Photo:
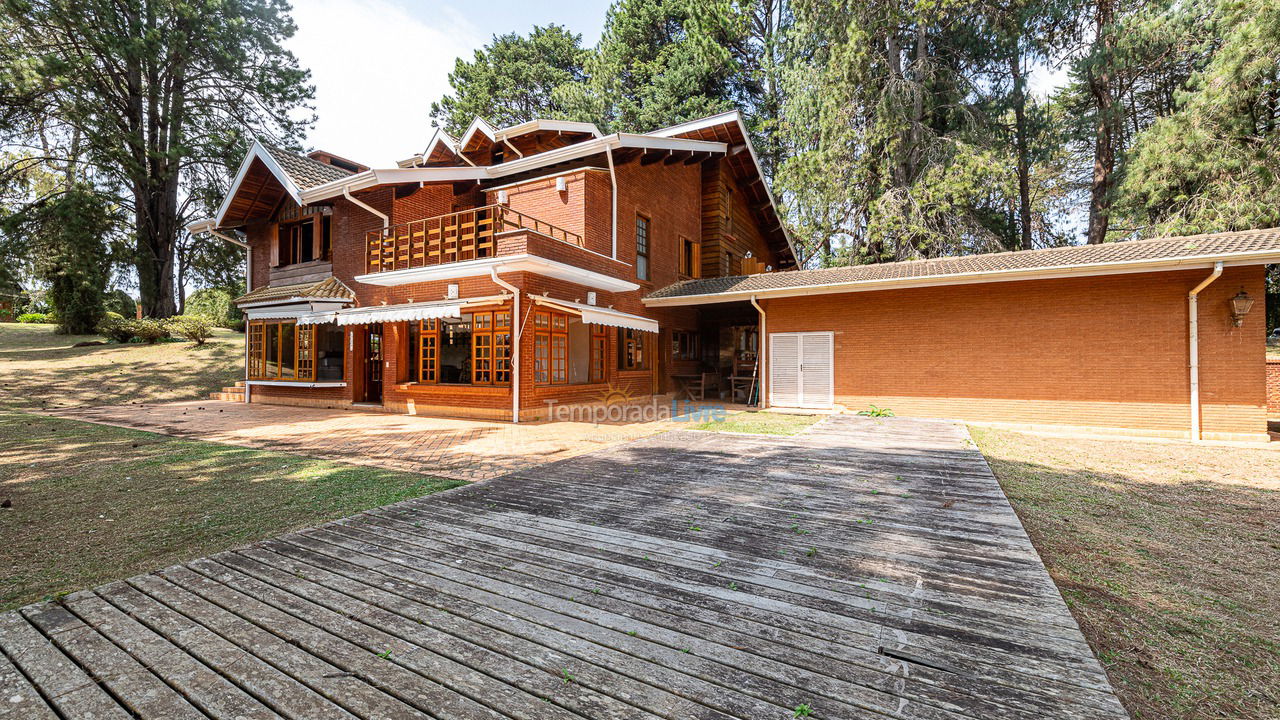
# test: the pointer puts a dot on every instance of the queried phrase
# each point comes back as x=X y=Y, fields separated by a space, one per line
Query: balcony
x=456 y=237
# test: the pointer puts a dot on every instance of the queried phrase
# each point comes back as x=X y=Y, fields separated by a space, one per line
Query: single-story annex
x=547 y=265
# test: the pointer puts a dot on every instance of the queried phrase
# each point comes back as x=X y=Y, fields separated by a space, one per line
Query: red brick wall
x=1273 y=387
x=1108 y=351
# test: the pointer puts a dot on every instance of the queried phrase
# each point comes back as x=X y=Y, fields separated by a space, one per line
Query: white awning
x=412 y=311
x=319 y=318
x=313 y=313
x=601 y=316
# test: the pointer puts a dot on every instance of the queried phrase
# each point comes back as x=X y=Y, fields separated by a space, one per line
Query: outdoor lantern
x=1240 y=306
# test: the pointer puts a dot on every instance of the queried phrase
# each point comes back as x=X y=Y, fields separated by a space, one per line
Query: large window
x=632 y=351
x=282 y=350
x=685 y=345
x=642 y=247
x=474 y=349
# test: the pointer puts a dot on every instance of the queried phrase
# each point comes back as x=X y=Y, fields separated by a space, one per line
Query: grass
x=40 y=369
x=1169 y=558
x=93 y=503
x=761 y=423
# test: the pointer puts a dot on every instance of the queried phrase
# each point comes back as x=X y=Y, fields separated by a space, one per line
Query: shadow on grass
x=97 y=503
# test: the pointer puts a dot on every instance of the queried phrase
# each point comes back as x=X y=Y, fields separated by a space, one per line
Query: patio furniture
x=694 y=386
x=744 y=381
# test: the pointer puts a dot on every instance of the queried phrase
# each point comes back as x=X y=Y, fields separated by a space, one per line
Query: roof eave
x=1263 y=257
x=257 y=150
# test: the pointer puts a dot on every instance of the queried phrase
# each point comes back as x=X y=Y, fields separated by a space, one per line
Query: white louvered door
x=784 y=370
x=801 y=370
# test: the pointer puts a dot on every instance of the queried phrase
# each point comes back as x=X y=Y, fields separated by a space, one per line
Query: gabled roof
x=264 y=164
x=1250 y=247
x=331 y=288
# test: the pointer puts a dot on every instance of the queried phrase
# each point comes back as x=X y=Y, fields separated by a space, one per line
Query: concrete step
x=229 y=397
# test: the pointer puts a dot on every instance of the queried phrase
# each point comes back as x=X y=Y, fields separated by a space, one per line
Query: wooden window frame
x=686 y=345
x=690 y=258
x=598 y=364
x=644 y=247
x=303 y=347
x=289 y=240
x=490 y=349
x=550 y=348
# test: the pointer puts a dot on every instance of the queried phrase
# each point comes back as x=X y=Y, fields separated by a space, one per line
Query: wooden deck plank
x=67 y=688
x=868 y=568
x=135 y=687
x=19 y=699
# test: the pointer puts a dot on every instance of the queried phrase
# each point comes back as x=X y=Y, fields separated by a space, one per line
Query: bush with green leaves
x=35 y=318
x=148 y=330
x=115 y=326
x=195 y=328
x=216 y=305
x=121 y=303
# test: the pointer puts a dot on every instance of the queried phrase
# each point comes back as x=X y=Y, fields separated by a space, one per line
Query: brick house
x=513 y=270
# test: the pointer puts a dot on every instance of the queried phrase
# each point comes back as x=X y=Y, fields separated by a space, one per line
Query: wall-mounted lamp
x=1241 y=304
x=561 y=184
x=451 y=292
x=502 y=197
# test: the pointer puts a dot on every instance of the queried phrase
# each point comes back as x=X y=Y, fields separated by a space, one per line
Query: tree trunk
x=1106 y=132
x=1022 y=148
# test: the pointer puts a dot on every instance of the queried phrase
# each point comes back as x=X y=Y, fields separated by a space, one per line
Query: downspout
x=516 y=328
x=613 y=200
x=1193 y=308
x=386 y=221
x=761 y=361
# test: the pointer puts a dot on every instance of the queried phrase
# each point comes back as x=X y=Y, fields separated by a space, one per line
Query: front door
x=800 y=370
x=373 y=364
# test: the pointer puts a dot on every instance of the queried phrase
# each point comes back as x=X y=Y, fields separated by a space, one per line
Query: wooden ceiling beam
x=650 y=157
x=675 y=157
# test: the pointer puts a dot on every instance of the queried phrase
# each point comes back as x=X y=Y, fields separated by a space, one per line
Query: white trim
x=830 y=399
x=538 y=125
x=371 y=178
x=518 y=183
x=1264 y=257
x=292 y=383
x=260 y=152
x=294 y=299
x=598 y=315
x=413 y=311
x=293 y=310
x=477 y=125
x=507 y=263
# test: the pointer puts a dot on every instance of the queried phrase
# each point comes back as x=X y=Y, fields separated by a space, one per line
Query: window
x=685 y=345
x=550 y=347
x=642 y=247
x=690 y=258
x=305 y=240
x=599 y=351
x=632 y=353
x=282 y=350
x=474 y=349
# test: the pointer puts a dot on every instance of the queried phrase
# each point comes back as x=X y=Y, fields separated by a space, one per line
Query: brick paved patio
x=446 y=447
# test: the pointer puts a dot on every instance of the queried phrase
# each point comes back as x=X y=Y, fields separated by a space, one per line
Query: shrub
x=214 y=304
x=192 y=327
x=121 y=303
x=148 y=330
x=35 y=318
x=115 y=327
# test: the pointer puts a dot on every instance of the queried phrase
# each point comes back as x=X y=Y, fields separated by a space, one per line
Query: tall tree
x=1213 y=163
x=512 y=79
x=158 y=91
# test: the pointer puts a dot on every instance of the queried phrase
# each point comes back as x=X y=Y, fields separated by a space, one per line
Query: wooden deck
x=866 y=569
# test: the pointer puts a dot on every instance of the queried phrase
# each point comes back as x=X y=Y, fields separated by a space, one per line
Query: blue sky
x=378 y=64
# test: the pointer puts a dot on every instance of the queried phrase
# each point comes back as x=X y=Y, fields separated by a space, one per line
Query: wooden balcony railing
x=459 y=236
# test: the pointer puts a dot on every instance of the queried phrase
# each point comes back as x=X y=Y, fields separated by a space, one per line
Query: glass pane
x=272 y=339
x=287 y=366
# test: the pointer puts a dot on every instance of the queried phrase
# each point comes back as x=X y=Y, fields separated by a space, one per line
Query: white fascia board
x=1128 y=267
x=548 y=125
x=650 y=142
x=548 y=176
x=509 y=263
x=313 y=303
x=295 y=383
x=479 y=125
x=260 y=152
x=201 y=226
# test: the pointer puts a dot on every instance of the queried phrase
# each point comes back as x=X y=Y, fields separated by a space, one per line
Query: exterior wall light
x=1241 y=304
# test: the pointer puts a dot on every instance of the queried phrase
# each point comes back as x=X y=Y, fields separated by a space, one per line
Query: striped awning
x=413 y=311
x=596 y=315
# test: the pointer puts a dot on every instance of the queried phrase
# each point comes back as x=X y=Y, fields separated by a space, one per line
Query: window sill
x=296 y=383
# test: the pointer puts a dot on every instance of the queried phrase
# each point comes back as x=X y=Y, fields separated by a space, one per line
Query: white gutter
x=516 y=328
x=760 y=358
x=386 y=221
x=1193 y=321
x=613 y=202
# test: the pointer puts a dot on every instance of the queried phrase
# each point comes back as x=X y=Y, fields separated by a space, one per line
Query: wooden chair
x=743 y=381
x=697 y=389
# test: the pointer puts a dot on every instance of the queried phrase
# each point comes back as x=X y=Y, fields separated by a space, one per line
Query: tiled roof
x=305 y=172
x=330 y=287
x=1074 y=256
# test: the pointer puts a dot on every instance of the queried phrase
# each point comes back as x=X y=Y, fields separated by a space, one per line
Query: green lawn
x=1168 y=555
x=761 y=423
x=93 y=503
x=40 y=369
